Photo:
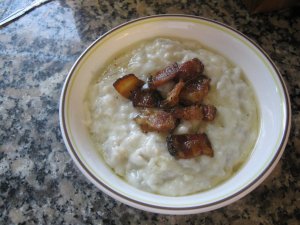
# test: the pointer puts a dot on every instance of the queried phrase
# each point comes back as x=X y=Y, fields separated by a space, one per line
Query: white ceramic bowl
x=273 y=101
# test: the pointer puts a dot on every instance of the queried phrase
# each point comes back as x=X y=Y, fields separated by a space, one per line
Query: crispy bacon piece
x=190 y=69
x=173 y=96
x=195 y=112
x=127 y=84
x=209 y=112
x=156 y=120
x=186 y=71
x=146 y=98
x=163 y=76
x=194 y=91
x=187 y=146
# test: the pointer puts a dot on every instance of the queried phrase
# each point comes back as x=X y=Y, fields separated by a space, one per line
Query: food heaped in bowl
x=107 y=142
x=142 y=157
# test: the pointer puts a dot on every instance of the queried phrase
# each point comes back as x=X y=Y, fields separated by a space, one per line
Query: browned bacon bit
x=156 y=120
x=193 y=112
x=194 y=91
x=146 y=98
x=127 y=84
x=163 y=76
x=209 y=112
x=187 y=146
x=190 y=69
x=173 y=96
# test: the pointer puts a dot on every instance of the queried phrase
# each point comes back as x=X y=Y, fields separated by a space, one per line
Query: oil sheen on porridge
x=142 y=159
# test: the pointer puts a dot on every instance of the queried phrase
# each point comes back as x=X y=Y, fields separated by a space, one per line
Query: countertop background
x=40 y=184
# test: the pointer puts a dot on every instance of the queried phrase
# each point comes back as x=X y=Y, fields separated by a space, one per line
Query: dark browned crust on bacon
x=156 y=120
x=193 y=112
x=186 y=71
x=127 y=84
x=189 y=146
x=194 y=91
x=190 y=69
x=147 y=98
x=163 y=76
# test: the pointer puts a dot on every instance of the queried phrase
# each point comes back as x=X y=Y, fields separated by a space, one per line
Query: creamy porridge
x=142 y=159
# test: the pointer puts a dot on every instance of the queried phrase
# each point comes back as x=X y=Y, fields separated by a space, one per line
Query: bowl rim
x=167 y=209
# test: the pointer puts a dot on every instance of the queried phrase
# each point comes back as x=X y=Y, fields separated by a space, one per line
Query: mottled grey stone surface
x=39 y=183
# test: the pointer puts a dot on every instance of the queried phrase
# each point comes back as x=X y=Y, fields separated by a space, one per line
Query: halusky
x=142 y=158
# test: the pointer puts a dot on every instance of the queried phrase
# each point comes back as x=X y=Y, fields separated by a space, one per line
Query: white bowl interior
x=257 y=68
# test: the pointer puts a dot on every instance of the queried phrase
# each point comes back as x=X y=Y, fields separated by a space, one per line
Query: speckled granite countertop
x=40 y=184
